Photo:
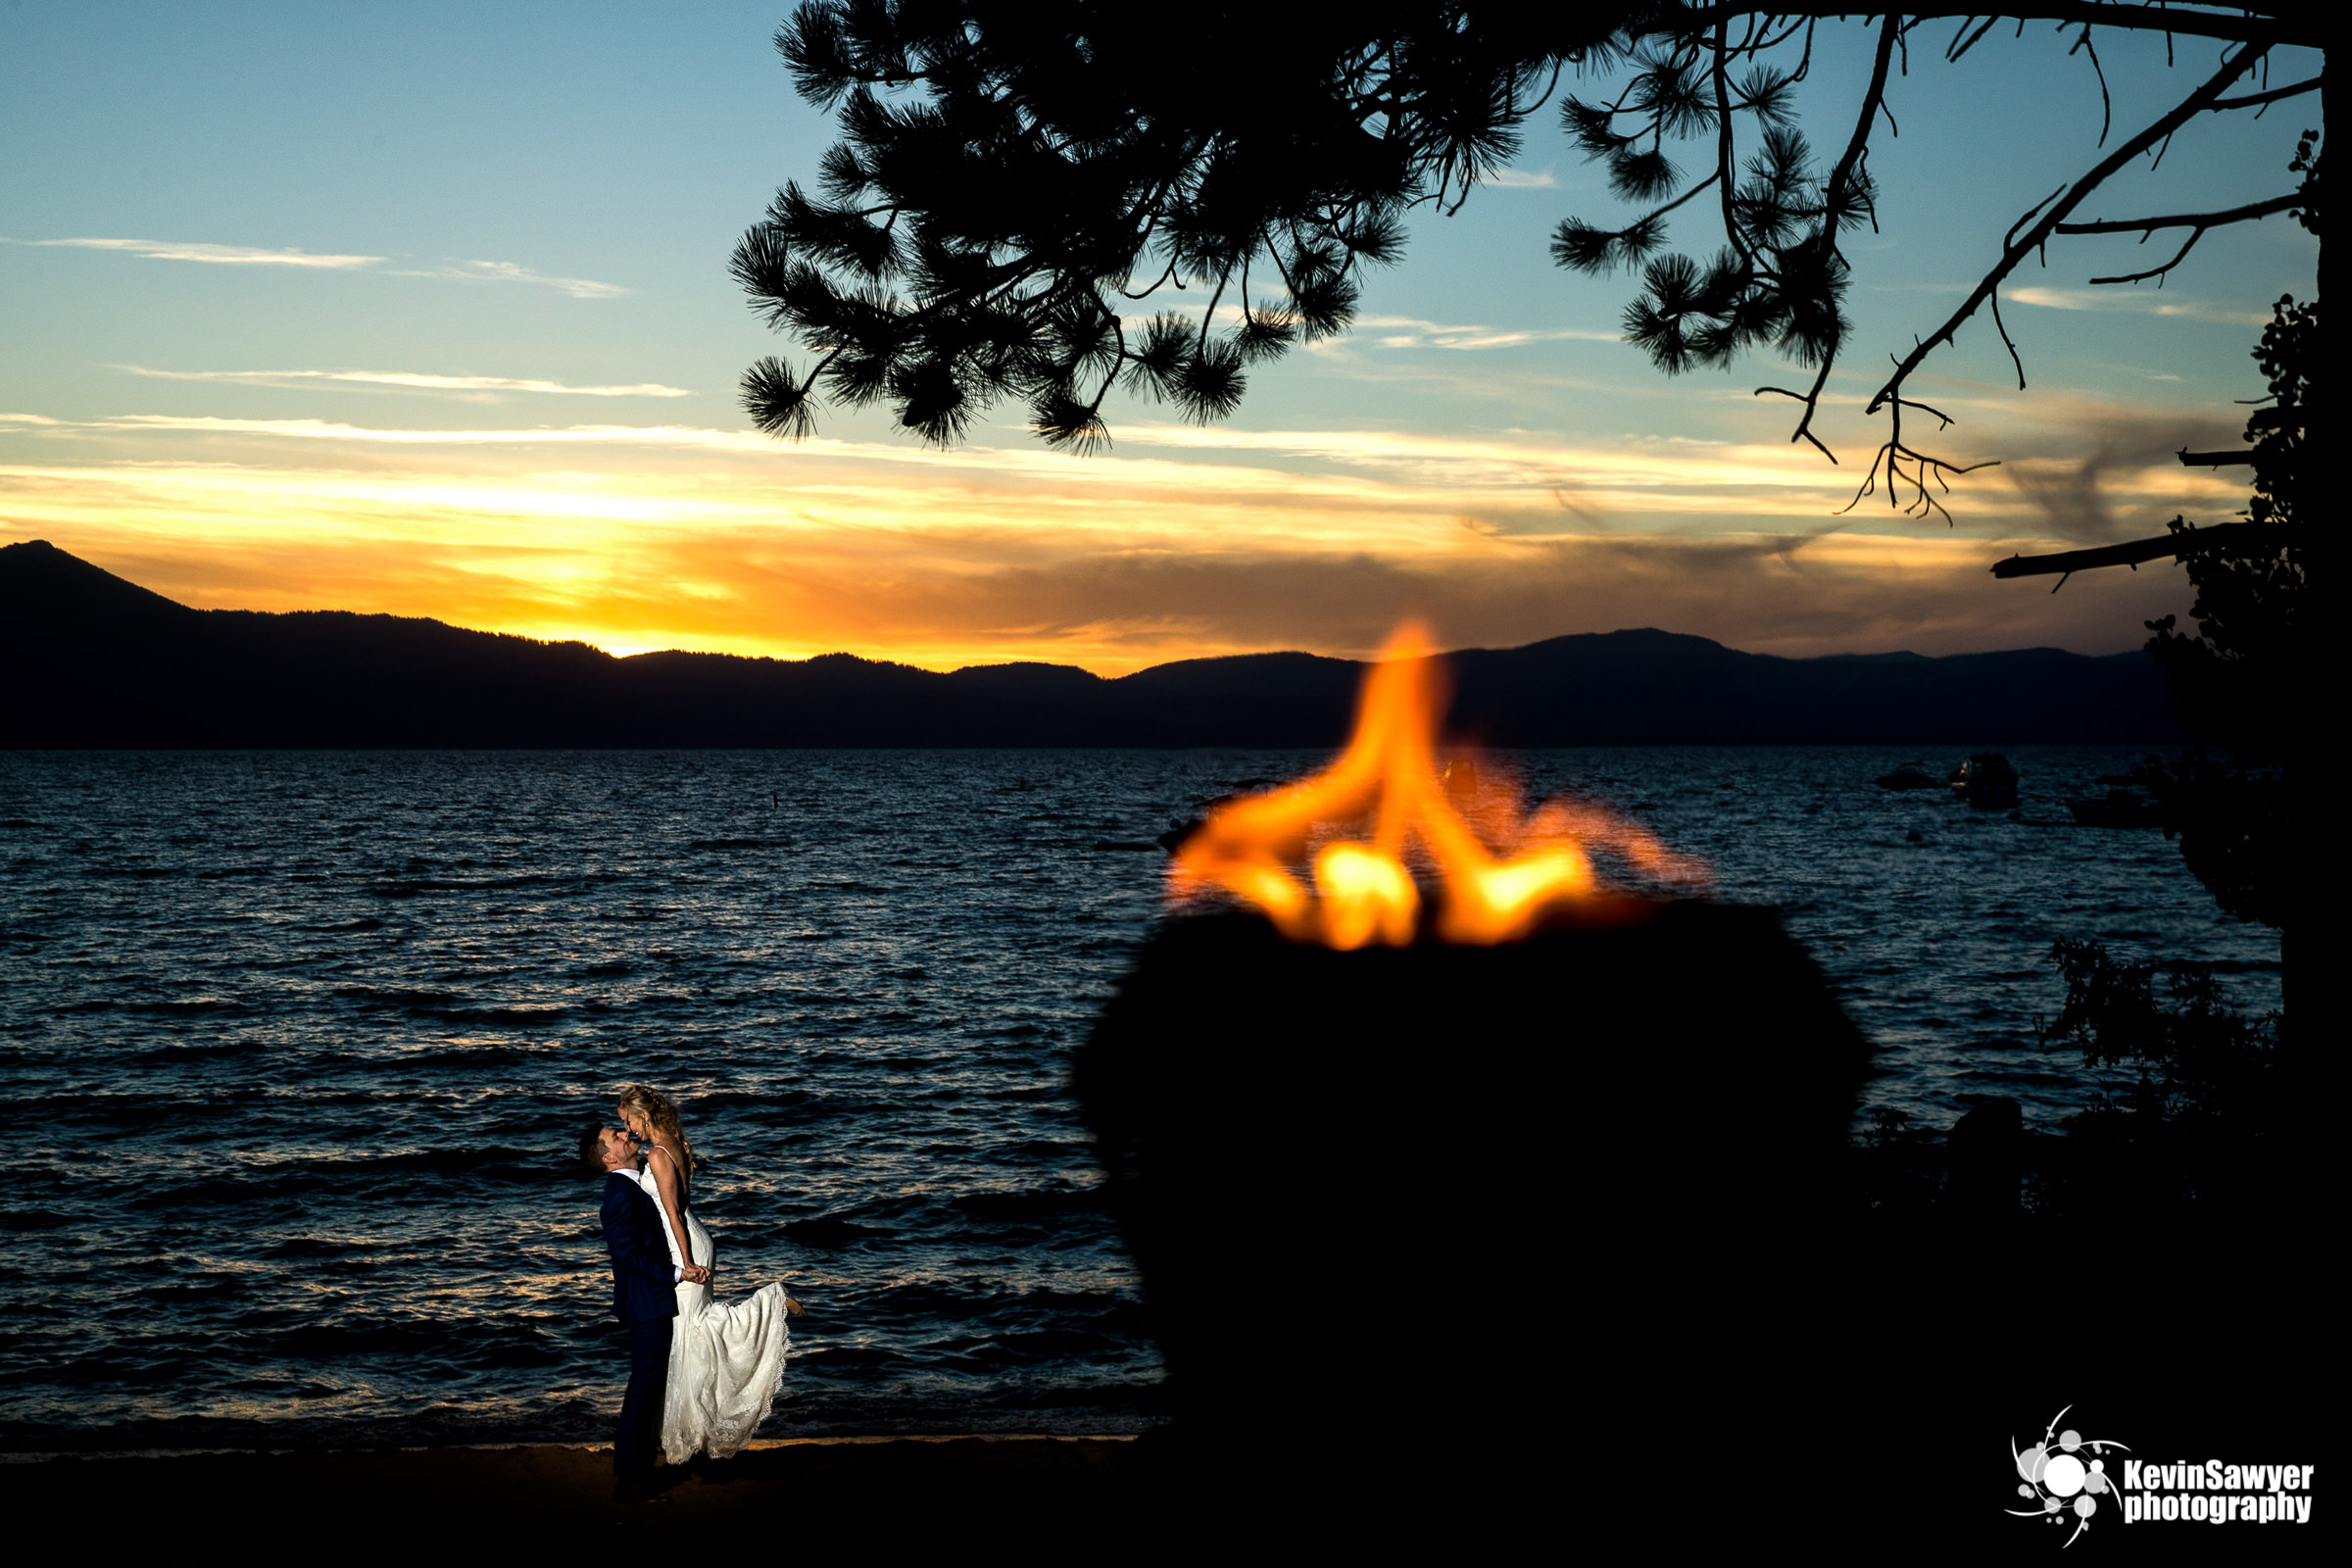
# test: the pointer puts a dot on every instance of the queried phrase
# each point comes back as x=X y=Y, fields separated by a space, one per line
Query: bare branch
x=2234 y=215
x=2307 y=27
x=1807 y=399
x=1923 y=468
x=2188 y=541
x=2009 y=238
x=2007 y=341
x=2197 y=226
x=2106 y=104
x=1945 y=420
x=2239 y=62
x=2254 y=100
x=1958 y=46
x=2179 y=256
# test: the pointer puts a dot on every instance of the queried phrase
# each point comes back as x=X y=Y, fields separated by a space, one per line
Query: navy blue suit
x=645 y=1300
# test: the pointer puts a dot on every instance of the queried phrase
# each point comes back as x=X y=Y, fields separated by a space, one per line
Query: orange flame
x=1363 y=890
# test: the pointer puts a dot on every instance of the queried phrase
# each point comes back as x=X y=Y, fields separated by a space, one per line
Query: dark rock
x=1351 y=1179
x=1987 y=1149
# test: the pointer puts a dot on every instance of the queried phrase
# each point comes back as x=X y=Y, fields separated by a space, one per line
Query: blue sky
x=431 y=315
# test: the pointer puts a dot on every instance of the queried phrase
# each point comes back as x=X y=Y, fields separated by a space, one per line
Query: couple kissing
x=702 y=1374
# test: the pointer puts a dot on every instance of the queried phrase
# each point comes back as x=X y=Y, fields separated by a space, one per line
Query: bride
x=725 y=1361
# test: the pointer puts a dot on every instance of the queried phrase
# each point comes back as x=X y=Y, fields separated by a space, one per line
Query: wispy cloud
x=1520 y=178
x=467 y=271
x=455 y=269
x=1519 y=454
x=2145 y=301
x=663 y=436
x=1411 y=332
x=408 y=380
x=1413 y=480
x=1173 y=483
x=174 y=250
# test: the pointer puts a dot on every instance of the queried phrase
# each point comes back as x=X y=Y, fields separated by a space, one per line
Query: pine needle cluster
x=1048 y=200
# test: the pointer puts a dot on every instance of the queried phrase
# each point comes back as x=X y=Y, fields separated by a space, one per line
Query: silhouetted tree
x=2258 y=675
x=1017 y=179
x=2225 y=1104
x=2248 y=677
x=2239 y=678
x=2199 y=1121
x=1779 y=278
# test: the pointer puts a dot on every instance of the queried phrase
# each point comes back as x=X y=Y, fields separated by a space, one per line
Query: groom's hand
x=698 y=1274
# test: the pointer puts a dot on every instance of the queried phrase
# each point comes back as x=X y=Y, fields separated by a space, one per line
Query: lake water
x=297 y=1046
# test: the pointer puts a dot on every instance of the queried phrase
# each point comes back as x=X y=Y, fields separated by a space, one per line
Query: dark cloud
x=2072 y=493
x=1797 y=595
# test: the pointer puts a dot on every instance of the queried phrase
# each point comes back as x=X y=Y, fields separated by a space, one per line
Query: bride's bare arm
x=666 y=1193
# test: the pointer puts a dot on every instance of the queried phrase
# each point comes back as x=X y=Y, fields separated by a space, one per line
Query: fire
x=1496 y=887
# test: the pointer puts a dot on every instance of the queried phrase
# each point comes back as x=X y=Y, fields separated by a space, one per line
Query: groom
x=643 y=1298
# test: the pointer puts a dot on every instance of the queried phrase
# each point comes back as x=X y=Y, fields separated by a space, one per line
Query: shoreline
x=28 y=1456
x=809 y=1488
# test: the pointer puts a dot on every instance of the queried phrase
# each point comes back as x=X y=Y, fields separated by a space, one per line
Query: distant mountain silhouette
x=89 y=659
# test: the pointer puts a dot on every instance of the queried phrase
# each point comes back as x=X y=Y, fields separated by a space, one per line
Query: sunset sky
x=424 y=309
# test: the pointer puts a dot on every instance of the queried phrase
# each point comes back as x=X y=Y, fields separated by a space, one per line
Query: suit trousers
x=640 y=1435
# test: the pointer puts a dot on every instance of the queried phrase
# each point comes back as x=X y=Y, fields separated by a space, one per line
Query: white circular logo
x=2052 y=1471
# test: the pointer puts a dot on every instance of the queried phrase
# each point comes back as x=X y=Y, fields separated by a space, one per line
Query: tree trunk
x=2311 y=975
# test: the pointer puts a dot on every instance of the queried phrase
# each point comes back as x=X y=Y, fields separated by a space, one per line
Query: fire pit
x=1444 y=1137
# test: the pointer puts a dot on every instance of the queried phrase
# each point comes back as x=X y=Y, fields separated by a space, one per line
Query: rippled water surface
x=296 y=1044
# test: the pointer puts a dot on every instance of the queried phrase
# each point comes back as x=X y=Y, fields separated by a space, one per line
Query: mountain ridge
x=92 y=660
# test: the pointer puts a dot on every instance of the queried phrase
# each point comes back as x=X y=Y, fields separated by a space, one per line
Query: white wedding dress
x=725 y=1361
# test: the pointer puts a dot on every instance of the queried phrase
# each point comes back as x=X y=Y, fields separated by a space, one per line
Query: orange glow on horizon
x=1185 y=543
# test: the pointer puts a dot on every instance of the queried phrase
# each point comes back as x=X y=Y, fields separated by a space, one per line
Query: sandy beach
x=785 y=1497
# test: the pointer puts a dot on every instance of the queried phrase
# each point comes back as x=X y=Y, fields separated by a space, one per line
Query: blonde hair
x=656 y=1108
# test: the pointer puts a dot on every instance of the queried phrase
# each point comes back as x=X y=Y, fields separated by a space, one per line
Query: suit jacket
x=643 y=1280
